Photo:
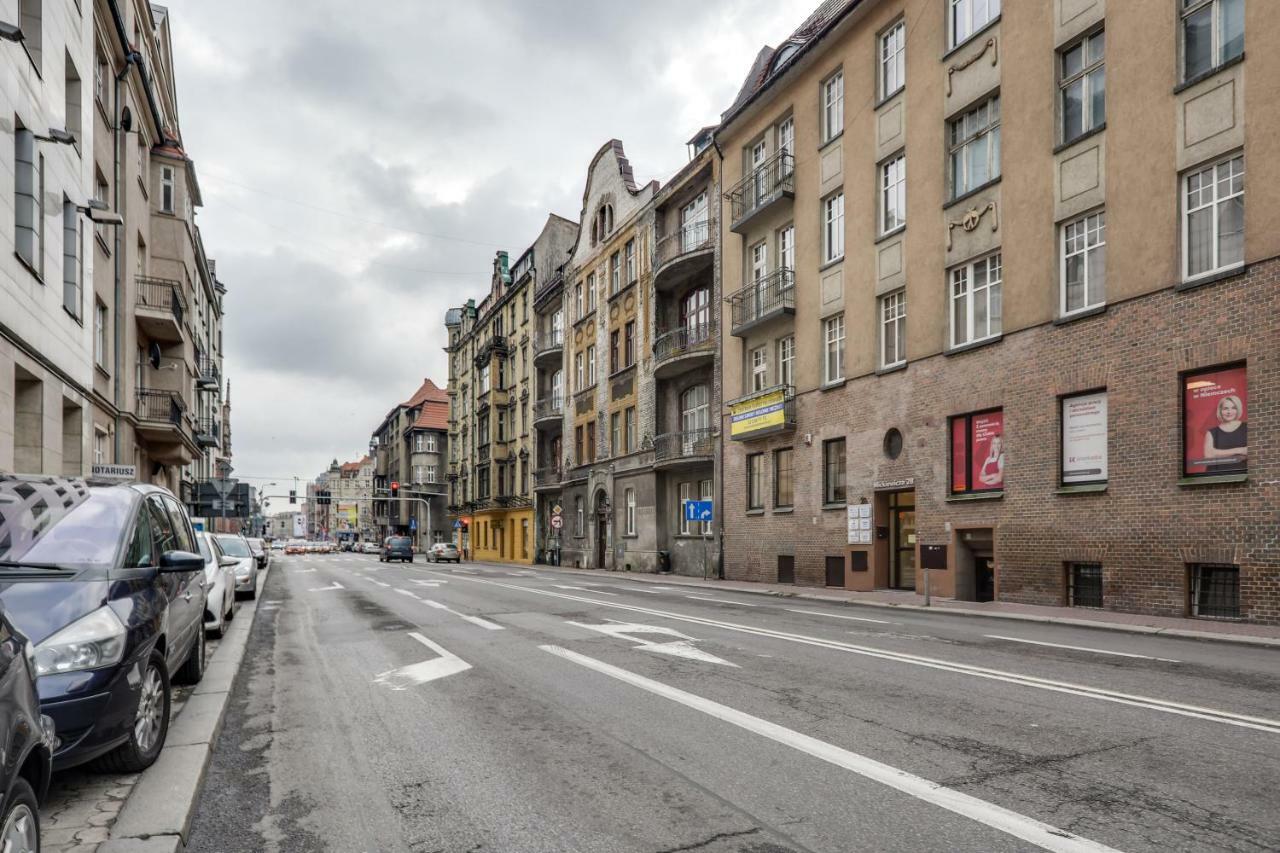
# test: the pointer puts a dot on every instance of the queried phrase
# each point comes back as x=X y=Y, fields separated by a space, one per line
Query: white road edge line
x=839 y=616
x=1078 y=648
x=1028 y=829
x=1213 y=715
x=720 y=600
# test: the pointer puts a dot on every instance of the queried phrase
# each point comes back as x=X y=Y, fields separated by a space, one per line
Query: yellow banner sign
x=765 y=412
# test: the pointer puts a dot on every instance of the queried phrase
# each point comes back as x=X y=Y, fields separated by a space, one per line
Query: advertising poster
x=959 y=454
x=348 y=515
x=987 y=461
x=758 y=414
x=1084 y=439
x=1215 y=420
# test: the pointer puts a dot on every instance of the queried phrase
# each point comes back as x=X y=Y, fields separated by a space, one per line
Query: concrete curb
x=1153 y=630
x=157 y=815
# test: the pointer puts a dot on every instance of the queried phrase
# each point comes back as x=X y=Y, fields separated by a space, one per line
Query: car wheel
x=192 y=669
x=21 y=828
x=217 y=632
x=150 y=723
x=253 y=592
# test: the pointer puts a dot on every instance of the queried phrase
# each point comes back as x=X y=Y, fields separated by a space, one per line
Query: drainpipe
x=118 y=288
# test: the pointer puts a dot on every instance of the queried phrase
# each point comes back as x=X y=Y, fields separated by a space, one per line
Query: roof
x=434 y=415
x=428 y=391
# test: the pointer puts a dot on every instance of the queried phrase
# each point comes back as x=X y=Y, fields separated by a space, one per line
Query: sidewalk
x=1170 y=626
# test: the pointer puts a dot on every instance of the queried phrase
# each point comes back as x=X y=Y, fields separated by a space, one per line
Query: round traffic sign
x=557 y=522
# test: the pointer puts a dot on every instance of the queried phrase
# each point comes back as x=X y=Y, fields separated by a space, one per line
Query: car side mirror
x=228 y=562
x=181 y=561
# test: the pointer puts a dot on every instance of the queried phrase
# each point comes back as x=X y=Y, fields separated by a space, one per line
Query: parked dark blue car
x=108 y=583
x=25 y=761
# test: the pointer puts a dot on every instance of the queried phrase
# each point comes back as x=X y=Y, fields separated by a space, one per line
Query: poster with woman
x=1214 y=419
x=988 y=451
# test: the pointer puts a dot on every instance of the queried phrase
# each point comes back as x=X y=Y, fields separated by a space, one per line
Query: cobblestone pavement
x=82 y=804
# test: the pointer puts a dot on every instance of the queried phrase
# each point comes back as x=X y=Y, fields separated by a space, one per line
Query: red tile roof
x=428 y=392
x=434 y=415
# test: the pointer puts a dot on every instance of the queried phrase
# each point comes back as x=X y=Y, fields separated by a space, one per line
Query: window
x=833 y=228
x=893 y=69
x=1083 y=427
x=431 y=444
x=705 y=493
x=833 y=472
x=787 y=248
x=759 y=368
x=591 y=364
x=893 y=194
x=1084 y=87
x=975 y=300
x=893 y=329
x=629 y=260
x=629 y=344
x=977 y=452
x=101 y=76
x=695 y=417
x=71 y=98
x=580 y=375
x=30 y=19
x=755 y=481
x=579 y=303
x=418 y=472
x=975 y=147
x=99 y=334
x=1215 y=421
x=591 y=441
x=28 y=198
x=484 y=379
x=629 y=500
x=578 y=448
x=832 y=106
x=1213 y=219
x=419 y=443
x=695 y=315
x=1084 y=263
x=431 y=474
x=72 y=261
x=101 y=192
x=166 y=189
x=591 y=292
x=786 y=360
x=833 y=364
x=615 y=433
x=1215 y=591
x=783 y=484
x=1084 y=584
x=615 y=273
x=100 y=453
x=969 y=16
x=787 y=140
x=1212 y=34
x=615 y=363
x=578 y=519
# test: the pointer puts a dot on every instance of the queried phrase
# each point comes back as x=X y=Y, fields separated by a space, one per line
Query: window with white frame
x=99 y=334
x=431 y=474
x=1213 y=218
x=630 y=260
x=99 y=446
x=686 y=495
x=101 y=74
x=969 y=16
x=893 y=328
x=759 y=368
x=1083 y=86
x=579 y=371
x=1212 y=34
x=615 y=273
x=787 y=360
x=893 y=194
x=832 y=106
x=578 y=516
x=591 y=364
x=629 y=501
x=833 y=228
x=431 y=443
x=166 y=189
x=893 y=56
x=579 y=300
x=974 y=146
x=787 y=136
x=72 y=261
x=1084 y=263
x=100 y=192
x=833 y=364
x=787 y=248
x=419 y=443
x=975 y=300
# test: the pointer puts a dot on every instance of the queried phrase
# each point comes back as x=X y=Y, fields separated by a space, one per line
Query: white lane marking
x=1021 y=826
x=402 y=678
x=720 y=600
x=681 y=647
x=580 y=589
x=1079 y=648
x=1214 y=715
x=839 y=616
x=432 y=584
x=380 y=583
x=474 y=620
x=336 y=585
x=303 y=571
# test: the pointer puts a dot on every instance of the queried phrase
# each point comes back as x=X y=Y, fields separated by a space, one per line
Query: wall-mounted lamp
x=58 y=135
x=97 y=211
x=11 y=32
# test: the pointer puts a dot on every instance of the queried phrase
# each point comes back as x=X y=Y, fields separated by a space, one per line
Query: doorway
x=975 y=564
x=902 y=540
x=835 y=571
x=602 y=529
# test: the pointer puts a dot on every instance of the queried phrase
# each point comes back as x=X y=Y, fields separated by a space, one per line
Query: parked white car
x=220 y=585
x=370 y=548
x=234 y=545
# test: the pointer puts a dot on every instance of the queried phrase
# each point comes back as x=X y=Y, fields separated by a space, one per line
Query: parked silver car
x=444 y=552
x=220 y=584
x=234 y=545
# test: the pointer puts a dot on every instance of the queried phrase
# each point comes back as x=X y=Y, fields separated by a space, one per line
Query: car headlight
x=243 y=569
x=91 y=642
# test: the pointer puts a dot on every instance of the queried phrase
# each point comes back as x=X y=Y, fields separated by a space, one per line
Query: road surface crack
x=719 y=836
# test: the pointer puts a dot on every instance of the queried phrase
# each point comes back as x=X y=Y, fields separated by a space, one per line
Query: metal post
x=926 y=587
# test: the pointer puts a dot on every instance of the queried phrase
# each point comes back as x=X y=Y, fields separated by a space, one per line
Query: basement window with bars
x=1084 y=584
x=1215 y=591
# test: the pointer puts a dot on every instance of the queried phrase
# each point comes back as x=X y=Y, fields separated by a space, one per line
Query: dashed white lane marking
x=380 y=583
x=336 y=585
x=1021 y=826
x=1078 y=648
x=474 y=620
x=581 y=589
x=681 y=647
x=721 y=600
x=839 y=616
x=303 y=571
x=402 y=678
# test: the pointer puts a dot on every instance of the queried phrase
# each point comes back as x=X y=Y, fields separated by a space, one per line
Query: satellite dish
x=154 y=355
x=126 y=119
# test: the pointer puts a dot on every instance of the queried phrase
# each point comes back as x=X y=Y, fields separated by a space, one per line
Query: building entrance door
x=902 y=540
x=602 y=529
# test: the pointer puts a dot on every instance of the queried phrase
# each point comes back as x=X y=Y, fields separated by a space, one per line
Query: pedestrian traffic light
x=395 y=489
x=293 y=496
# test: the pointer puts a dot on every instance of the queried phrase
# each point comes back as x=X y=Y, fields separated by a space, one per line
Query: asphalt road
x=486 y=708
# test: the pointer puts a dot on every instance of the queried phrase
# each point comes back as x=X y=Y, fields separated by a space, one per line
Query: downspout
x=118 y=288
x=719 y=266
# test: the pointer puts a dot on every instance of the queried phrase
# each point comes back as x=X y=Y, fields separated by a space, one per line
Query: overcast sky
x=361 y=163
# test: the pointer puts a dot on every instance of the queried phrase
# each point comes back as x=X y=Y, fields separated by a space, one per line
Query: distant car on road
x=444 y=552
x=234 y=545
x=370 y=548
x=220 y=584
x=295 y=548
x=397 y=548
x=260 y=552
x=29 y=738
x=108 y=583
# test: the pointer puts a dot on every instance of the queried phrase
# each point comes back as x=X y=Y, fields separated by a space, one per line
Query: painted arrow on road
x=402 y=678
x=336 y=585
x=681 y=647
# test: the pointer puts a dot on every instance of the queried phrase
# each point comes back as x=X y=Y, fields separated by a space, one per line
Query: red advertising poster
x=959 y=454
x=987 y=461
x=1215 y=422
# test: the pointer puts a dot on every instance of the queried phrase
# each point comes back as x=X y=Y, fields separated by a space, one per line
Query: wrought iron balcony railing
x=548 y=407
x=161 y=294
x=549 y=341
x=683 y=341
x=159 y=406
x=685 y=240
x=773 y=179
x=694 y=443
x=771 y=296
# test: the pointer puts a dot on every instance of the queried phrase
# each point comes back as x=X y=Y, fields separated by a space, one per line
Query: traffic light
x=293 y=496
x=395 y=489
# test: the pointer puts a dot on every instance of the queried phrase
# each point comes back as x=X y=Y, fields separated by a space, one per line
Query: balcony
x=548 y=412
x=547 y=286
x=207 y=376
x=208 y=432
x=684 y=349
x=762 y=413
x=484 y=453
x=161 y=425
x=682 y=449
x=547 y=347
x=496 y=344
x=547 y=478
x=159 y=308
x=764 y=186
x=763 y=300
x=684 y=253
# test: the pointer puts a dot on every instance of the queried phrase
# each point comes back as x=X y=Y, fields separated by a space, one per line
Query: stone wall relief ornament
x=971 y=219
x=960 y=66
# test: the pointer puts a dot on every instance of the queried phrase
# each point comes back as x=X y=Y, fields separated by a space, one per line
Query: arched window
x=695 y=409
x=695 y=314
x=557 y=385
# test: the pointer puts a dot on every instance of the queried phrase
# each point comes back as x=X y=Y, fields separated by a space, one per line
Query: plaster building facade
x=1054 y=381
x=399 y=443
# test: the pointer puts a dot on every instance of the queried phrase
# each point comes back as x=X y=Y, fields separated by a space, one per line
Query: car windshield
x=398 y=542
x=234 y=546
x=50 y=521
